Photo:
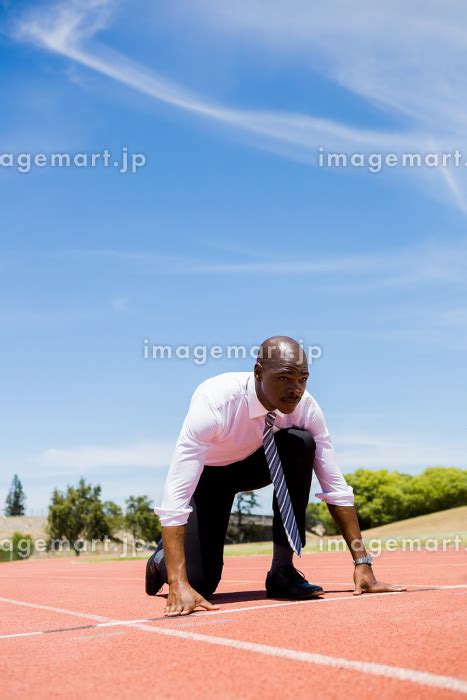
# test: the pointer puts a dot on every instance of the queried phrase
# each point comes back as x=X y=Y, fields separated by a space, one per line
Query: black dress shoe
x=290 y=584
x=154 y=580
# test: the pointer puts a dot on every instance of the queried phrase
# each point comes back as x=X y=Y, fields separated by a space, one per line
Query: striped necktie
x=280 y=487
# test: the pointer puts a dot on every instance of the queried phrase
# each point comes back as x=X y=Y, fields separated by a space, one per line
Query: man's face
x=281 y=386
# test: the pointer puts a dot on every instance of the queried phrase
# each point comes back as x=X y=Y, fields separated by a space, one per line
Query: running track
x=87 y=630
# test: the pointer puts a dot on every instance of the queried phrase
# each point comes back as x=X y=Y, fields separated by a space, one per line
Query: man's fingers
x=187 y=607
x=174 y=609
x=189 y=610
x=202 y=604
x=207 y=605
x=172 y=612
x=358 y=590
x=391 y=587
x=379 y=587
x=179 y=611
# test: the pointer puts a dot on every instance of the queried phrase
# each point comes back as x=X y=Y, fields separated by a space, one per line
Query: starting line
x=101 y=621
x=370 y=668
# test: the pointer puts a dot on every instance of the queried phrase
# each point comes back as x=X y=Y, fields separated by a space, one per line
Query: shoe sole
x=153 y=578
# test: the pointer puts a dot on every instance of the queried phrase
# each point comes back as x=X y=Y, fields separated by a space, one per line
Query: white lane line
x=115 y=623
x=232 y=581
x=368 y=667
x=317 y=601
x=315 y=570
x=20 y=634
x=314 y=601
x=364 y=596
x=81 y=578
x=349 y=583
x=109 y=622
x=180 y=621
x=432 y=680
x=61 y=611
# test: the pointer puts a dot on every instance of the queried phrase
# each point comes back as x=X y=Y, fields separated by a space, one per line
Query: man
x=244 y=431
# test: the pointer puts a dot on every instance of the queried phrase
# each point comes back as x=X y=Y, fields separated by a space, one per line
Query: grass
x=440 y=524
x=443 y=524
x=248 y=549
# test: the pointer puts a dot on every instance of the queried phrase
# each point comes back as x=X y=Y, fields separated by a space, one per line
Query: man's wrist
x=178 y=581
x=362 y=560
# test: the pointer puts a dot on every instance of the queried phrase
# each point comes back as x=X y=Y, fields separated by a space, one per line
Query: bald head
x=279 y=349
x=281 y=373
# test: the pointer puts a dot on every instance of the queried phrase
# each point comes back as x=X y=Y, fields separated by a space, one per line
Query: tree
x=77 y=514
x=20 y=546
x=245 y=502
x=16 y=498
x=314 y=518
x=141 y=520
x=383 y=497
x=318 y=514
x=114 y=516
x=439 y=488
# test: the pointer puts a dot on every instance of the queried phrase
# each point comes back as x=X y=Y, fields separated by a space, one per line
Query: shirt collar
x=255 y=407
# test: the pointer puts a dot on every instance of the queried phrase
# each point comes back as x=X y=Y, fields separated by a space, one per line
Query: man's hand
x=365 y=582
x=183 y=600
x=346 y=520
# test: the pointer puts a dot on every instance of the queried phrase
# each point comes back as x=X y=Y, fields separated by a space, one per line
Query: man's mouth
x=291 y=399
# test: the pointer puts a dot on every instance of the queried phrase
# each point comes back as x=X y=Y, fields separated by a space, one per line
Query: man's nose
x=296 y=387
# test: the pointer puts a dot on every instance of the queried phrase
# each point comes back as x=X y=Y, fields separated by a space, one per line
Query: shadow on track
x=238 y=596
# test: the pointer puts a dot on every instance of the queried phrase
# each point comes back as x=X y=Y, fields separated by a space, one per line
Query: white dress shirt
x=225 y=424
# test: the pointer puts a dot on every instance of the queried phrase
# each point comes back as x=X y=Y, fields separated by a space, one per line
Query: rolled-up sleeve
x=199 y=429
x=334 y=488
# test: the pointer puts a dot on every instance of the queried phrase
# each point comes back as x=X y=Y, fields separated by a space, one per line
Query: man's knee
x=303 y=442
x=308 y=440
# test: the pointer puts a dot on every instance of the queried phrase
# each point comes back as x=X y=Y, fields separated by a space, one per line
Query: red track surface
x=405 y=645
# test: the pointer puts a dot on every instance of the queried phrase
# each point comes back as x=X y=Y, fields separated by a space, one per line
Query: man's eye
x=304 y=380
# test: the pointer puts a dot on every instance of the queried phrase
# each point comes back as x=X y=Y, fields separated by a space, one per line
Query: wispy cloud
x=139 y=468
x=65 y=27
x=407 y=58
x=427 y=263
x=69 y=28
x=101 y=458
x=121 y=470
x=377 y=451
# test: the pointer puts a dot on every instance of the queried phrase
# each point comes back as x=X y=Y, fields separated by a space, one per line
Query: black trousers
x=213 y=499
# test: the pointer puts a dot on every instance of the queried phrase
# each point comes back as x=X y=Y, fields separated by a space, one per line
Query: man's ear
x=258 y=371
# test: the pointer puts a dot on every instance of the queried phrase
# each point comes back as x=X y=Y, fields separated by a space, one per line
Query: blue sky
x=231 y=232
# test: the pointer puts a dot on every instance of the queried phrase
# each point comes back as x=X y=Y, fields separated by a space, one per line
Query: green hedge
x=383 y=497
x=20 y=546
